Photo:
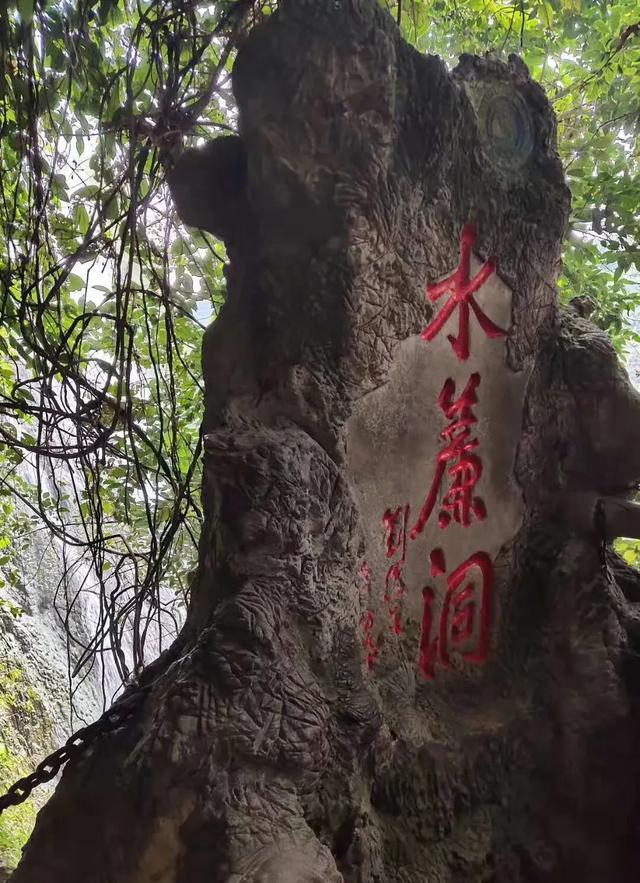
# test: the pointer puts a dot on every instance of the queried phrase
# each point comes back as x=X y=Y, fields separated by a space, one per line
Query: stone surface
x=393 y=439
x=266 y=743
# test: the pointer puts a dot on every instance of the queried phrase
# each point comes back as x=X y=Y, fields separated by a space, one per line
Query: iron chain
x=119 y=713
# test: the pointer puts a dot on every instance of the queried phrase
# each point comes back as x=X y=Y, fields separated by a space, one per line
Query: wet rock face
x=53 y=587
x=35 y=700
x=39 y=708
x=269 y=742
x=36 y=642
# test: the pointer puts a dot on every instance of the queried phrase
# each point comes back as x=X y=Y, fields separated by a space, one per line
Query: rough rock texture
x=35 y=696
x=266 y=750
x=43 y=699
x=36 y=642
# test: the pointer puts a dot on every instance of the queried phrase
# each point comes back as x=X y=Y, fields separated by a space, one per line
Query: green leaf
x=81 y=217
x=75 y=282
x=26 y=8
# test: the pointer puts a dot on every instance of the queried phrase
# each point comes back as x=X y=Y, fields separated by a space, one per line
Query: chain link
x=119 y=713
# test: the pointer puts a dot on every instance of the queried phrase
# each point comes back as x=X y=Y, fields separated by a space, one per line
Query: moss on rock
x=25 y=737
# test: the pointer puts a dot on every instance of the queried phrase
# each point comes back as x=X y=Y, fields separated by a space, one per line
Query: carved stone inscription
x=430 y=458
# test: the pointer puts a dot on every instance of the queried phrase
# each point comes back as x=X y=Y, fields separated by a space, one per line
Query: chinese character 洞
x=465 y=467
x=464 y=620
x=462 y=289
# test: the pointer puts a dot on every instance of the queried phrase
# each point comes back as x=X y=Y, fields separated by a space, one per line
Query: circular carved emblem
x=506 y=129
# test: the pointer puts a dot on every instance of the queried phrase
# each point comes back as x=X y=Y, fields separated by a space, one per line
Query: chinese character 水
x=462 y=289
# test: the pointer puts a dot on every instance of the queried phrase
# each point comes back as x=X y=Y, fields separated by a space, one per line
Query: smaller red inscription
x=395 y=525
x=464 y=621
x=365 y=573
x=395 y=591
x=465 y=470
x=369 y=645
x=462 y=289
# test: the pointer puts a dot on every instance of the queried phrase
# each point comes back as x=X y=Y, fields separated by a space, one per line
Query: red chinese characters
x=462 y=467
x=395 y=526
x=369 y=644
x=367 y=621
x=464 y=620
x=462 y=289
x=454 y=625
